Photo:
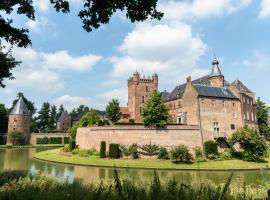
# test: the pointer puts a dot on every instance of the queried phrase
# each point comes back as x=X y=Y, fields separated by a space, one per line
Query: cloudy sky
x=66 y=65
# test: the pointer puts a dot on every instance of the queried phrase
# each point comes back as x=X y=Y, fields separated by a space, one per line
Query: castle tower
x=216 y=78
x=19 y=120
x=139 y=90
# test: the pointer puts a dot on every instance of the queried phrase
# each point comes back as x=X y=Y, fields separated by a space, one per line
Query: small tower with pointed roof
x=216 y=78
x=19 y=120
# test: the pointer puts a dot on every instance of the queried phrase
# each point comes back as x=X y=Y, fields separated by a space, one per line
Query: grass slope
x=55 y=156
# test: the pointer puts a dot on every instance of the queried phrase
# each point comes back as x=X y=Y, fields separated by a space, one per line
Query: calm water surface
x=22 y=159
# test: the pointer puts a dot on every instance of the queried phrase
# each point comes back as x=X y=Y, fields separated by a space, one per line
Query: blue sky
x=66 y=65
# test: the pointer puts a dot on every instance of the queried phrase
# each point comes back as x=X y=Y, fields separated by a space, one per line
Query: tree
x=253 y=144
x=80 y=109
x=113 y=110
x=60 y=111
x=43 y=119
x=3 y=119
x=53 y=117
x=93 y=14
x=16 y=137
x=155 y=112
x=262 y=117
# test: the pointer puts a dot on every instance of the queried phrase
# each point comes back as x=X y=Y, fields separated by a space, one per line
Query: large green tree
x=155 y=113
x=53 y=117
x=93 y=14
x=262 y=117
x=80 y=109
x=61 y=109
x=43 y=118
x=3 y=118
x=113 y=110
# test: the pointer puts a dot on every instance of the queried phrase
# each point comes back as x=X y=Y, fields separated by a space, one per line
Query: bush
x=253 y=144
x=198 y=153
x=211 y=149
x=124 y=150
x=181 y=154
x=102 y=151
x=44 y=140
x=226 y=155
x=114 y=151
x=149 y=149
x=133 y=149
x=163 y=153
x=66 y=140
x=66 y=148
x=55 y=140
x=85 y=152
x=72 y=144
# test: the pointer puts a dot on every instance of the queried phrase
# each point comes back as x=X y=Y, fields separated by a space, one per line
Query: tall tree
x=30 y=105
x=93 y=14
x=43 y=118
x=262 y=117
x=155 y=112
x=60 y=111
x=53 y=117
x=113 y=110
x=3 y=118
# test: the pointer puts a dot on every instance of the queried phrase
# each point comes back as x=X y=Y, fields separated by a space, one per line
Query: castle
x=210 y=102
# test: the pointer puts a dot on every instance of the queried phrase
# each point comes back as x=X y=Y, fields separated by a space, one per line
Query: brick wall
x=90 y=137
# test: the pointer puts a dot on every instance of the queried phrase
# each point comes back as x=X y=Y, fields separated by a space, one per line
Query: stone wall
x=90 y=137
x=34 y=136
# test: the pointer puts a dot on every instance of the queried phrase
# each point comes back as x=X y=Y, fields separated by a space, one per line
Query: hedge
x=52 y=140
x=102 y=152
x=44 y=140
x=210 y=148
x=114 y=151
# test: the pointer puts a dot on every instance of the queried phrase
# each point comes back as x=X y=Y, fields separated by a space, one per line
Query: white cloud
x=259 y=61
x=200 y=8
x=120 y=94
x=170 y=50
x=41 y=24
x=71 y=102
x=42 y=5
x=264 y=9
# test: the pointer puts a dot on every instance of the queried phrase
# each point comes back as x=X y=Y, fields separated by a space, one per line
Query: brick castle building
x=19 y=120
x=215 y=105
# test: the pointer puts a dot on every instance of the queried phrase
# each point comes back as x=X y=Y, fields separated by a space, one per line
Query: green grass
x=30 y=146
x=55 y=156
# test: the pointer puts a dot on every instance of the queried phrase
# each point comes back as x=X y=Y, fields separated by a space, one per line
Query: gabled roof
x=219 y=92
x=63 y=115
x=241 y=87
x=20 y=108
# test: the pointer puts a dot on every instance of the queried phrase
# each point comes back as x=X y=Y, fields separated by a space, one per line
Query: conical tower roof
x=20 y=108
x=215 y=69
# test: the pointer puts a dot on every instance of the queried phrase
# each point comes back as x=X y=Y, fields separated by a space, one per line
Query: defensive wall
x=173 y=135
x=34 y=136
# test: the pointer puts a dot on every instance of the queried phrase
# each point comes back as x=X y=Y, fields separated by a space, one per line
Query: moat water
x=22 y=159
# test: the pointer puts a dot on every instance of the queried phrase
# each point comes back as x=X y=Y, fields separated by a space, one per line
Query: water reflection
x=22 y=159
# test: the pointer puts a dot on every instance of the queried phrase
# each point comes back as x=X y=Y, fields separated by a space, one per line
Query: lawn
x=55 y=156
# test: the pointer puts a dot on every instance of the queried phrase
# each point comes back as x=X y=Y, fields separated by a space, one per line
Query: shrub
x=114 y=151
x=55 y=140
x=211 y=149
x=181 y=154
x=124 y=151
x=253 y=144
x=102 y=151
x=66 y=148
x=163 y=153
x=85 y=152
x=149 y=149
x=198 y=153
x=226 y=155
x=72 y=144
x=44 y=140
x=66 y=140
x=132 y=121
x=133 y=149
x=17 y=137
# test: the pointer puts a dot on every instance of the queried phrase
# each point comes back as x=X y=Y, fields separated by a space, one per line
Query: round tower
x=216 y=78
x=19 y=121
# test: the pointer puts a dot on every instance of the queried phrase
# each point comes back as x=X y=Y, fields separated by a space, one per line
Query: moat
x=22 y=159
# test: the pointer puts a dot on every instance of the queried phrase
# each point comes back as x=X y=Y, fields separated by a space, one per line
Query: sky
x=66 y=65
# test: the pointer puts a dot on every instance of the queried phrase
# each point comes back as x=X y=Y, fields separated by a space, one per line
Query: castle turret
x=216 y=78
x=19 y=120
x=155 y=79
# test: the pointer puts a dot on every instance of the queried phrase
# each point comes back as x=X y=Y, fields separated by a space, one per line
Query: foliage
x=16 y=137
x=124 y=150
x=253 y=144
x=56 y=140
x=61 y=110
x=66 y=148
x=181 y=154
x=163 y=153
x=262 y=118
x=155 y=112
x=134 y=153
x=149 y=149
x=211 y=149
x=19 y=185
x=127 y=123
x=114 y=151
x=226 y=155
x=72 y=144
x=85 y=152
x=43 y=118
x=3 y=118
x=102 y=151
x=198 y=153
x=44 y=140
x=66 y=140
x=113 y=110
x=53 y=118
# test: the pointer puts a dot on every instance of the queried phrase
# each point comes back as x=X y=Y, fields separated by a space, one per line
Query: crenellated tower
x=139 y=90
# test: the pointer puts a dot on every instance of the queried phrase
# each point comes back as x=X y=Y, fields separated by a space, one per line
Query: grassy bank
x=18 y=185
x=30 y=146
x=55 y=156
